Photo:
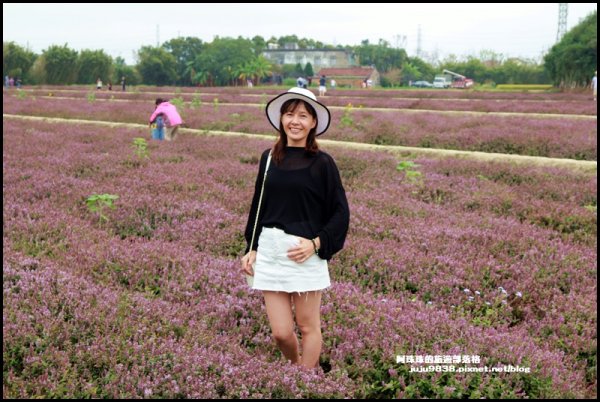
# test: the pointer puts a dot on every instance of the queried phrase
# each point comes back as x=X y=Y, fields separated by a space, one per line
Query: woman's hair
x=159 y=101
x=311 y=141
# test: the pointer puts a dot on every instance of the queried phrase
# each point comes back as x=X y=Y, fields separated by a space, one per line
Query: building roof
x=347 y=72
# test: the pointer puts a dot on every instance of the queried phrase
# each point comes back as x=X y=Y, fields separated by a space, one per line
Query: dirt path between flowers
x=402 y=151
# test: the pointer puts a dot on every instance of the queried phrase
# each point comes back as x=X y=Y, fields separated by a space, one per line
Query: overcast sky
x=514 y=30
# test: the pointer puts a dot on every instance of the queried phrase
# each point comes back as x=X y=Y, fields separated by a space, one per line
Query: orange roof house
x=352 y=77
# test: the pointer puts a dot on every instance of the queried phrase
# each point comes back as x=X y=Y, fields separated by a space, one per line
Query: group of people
x=12 y=82
x=302 y=82
x=109 y=86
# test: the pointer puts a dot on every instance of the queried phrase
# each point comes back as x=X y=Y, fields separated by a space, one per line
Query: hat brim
x=273 y=110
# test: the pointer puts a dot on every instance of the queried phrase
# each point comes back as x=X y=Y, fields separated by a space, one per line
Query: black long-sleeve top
x=304 y=197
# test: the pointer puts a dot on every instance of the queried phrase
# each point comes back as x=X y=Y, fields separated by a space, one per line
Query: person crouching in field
x=172 y=118
x=300 y=216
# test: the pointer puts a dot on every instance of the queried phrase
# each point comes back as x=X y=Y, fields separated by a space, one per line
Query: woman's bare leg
x=279 y=311
x=308 y=318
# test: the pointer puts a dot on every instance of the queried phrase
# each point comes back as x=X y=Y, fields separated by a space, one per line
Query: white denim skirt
x=273 y=269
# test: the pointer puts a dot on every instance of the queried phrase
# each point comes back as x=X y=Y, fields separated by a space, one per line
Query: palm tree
x=200 y=77
x=261 y=68
x=246 y=71
x=229 y=74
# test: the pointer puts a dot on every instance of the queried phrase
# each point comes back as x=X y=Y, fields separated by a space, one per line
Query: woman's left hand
x=302 y=252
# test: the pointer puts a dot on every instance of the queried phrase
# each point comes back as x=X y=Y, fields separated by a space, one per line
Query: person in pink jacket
x=172 y=118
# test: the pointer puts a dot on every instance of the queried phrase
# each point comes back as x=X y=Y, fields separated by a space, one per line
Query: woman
x=172 y=119
x=303 y=221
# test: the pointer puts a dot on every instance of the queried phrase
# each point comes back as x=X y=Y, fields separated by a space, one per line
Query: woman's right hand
x=247 y=262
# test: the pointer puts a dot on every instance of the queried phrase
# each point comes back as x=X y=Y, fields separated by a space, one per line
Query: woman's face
x=297 y=125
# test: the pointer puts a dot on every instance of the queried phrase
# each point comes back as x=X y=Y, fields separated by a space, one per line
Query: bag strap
x=262 y=190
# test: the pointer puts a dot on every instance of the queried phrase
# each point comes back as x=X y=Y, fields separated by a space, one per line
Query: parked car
x=422 y=84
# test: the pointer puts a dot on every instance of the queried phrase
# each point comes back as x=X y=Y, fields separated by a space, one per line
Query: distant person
x=309 y=81
x=6 y=81
x=98 y=83
x=249 y=82
x=109 y=86
x=123 y=83
x=364 y=83
x=595 y=83
x=172 y=118
x=300 y=82
x=333 y=83
x=18 y=82
x=322 y=86
x=11 y=82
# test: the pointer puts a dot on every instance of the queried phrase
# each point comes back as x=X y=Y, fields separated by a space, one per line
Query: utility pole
x=419 y=50
x=157 y=36
x=563 y=11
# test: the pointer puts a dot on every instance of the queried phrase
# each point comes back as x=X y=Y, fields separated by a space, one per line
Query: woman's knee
x=311 y=328
x=282 y=335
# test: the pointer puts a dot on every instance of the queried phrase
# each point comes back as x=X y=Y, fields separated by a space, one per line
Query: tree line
x=188 y=61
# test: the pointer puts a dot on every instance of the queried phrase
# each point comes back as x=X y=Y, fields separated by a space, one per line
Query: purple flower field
x=371 y=93
x=467 y=258
x=560 y=104
x=572 y=138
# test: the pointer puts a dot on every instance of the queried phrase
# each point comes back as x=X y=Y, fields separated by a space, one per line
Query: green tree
x=157 y=66
x=474 y=68
x=410 y=72
x=37 y=72
x=259 y=44
x=222 y=58
x=298 y=70
x=60 y=64
x=572 y=61
x=261 y=68
x=199 y=77
x=17 y=61
x=185 y=50
x=245 y=72
x=381 y=55
x=425 y=70
x=308 y=70
x=285 y=40
x=93 y=64
x=132 y=77
x=289 y=70
x=511 y=71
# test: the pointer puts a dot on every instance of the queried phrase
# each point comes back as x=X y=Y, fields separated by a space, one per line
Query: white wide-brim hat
x=274 y=108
